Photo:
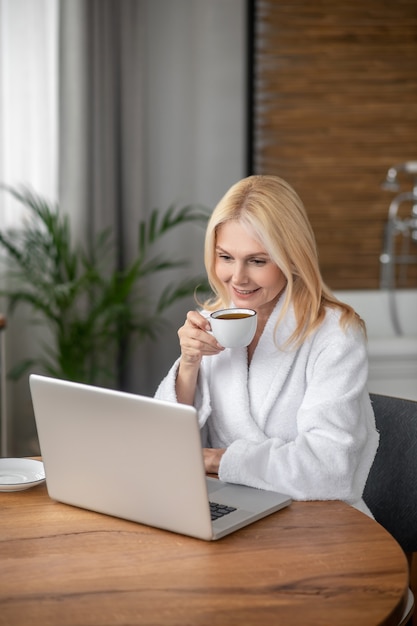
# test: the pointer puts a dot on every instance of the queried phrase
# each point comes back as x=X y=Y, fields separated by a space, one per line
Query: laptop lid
x=135 y=457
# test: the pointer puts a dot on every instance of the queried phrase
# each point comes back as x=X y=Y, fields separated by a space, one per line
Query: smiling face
x=244 y=267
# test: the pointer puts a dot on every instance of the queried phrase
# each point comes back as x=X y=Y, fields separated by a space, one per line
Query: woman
x=290 y=412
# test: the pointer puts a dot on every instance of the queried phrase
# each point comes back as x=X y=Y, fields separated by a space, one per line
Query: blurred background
x=112 y=108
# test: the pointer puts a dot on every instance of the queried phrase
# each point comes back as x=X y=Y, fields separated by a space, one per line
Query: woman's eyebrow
x=248 y=256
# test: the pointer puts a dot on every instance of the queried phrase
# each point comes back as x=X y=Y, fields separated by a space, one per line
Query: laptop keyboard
x=218 y=510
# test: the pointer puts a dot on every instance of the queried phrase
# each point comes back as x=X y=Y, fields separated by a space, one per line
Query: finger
x=199 y=321
x=199 y=345
x=199 y=339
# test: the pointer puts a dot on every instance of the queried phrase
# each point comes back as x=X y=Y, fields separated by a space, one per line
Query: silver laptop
x=136 y=458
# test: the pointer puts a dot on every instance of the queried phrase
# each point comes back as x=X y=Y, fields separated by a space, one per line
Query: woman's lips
x=245 y=292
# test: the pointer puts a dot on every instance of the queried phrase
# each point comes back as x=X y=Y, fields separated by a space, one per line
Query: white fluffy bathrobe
x=296 y=421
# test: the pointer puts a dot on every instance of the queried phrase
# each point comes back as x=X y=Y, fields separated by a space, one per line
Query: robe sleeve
x=331 y=456
x=166 y=391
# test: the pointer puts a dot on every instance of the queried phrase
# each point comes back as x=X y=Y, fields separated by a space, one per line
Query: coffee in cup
x=234 y=328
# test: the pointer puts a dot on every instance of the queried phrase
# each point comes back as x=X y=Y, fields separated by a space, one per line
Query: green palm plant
x=93 y=311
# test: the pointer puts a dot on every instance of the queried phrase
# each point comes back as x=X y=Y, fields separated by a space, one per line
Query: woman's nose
x=239 y=274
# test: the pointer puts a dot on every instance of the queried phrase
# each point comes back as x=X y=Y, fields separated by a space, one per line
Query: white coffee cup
x=234 y=328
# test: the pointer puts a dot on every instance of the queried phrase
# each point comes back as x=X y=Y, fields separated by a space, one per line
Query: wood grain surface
x=316 y=563
x=334 y=100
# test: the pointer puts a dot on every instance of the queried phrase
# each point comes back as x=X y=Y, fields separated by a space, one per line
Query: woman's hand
x=195 y=341
x=212 y=458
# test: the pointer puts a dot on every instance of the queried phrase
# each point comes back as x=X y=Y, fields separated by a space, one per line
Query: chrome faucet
x=399 y=234
x=391 y=182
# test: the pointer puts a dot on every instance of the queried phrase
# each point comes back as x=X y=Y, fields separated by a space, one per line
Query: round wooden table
x=314 y=563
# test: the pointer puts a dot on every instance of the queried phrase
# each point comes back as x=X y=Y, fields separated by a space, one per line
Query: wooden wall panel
x=335 y=105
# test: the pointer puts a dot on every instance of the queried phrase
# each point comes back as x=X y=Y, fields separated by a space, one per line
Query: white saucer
x=19 y=474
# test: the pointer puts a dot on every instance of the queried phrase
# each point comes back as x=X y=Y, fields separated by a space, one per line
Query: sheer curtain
x=28 y=100
x=28 y=156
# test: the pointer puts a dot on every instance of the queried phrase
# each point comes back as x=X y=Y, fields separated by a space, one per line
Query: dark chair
x=391 y=488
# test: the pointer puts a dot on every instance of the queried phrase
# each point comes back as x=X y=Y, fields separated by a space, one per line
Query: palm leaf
x=91 y=307
x=184 y=289
x=158 y=224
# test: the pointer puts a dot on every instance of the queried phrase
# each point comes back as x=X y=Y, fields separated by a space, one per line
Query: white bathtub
x=392 y=357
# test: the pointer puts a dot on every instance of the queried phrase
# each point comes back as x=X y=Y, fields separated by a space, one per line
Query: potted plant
x=93 y=311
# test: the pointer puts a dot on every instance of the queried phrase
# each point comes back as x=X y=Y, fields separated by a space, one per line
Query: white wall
x=194 y=122
x=195 y=116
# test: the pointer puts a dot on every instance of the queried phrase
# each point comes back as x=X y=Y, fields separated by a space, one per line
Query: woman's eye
x=224 y=257
x=258 y=261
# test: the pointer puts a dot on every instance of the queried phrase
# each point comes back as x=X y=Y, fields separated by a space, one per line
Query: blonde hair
x=273 y=211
